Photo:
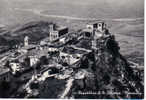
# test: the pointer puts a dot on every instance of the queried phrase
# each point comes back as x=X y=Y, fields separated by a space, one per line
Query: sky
x=76 y=8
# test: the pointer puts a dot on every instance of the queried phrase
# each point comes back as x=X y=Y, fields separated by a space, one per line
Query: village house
x=70 y=56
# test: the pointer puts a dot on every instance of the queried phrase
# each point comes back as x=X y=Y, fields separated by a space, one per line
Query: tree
x=4 y=89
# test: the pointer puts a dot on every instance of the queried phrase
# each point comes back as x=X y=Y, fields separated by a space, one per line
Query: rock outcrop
x=109 y=74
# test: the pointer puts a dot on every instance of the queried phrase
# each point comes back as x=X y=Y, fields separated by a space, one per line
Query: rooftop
x=71 y=50
x=86 y=30
x=30 y=46
x=38 y=53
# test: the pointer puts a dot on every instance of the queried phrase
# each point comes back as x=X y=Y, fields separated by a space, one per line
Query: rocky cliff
x=108 y=74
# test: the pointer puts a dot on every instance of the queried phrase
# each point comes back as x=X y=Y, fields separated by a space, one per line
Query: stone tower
x=26 y=41
x=51 y=30
x=101 y=26
x=51 y=27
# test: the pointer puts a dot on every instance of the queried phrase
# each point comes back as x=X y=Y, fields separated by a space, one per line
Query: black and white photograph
x=72 y=49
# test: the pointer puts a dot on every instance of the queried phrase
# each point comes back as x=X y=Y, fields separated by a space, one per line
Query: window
x=99 y=24
x=4 y=78
x=63 y=57
x=89 y=27
x=87 y=34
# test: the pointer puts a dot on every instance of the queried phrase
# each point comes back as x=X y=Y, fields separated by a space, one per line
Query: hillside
x=78 y=8
x=101 y=74
x=107 y=69
x=35 y=30
x=129 y=33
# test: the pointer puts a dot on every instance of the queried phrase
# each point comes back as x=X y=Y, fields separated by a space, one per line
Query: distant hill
x=99 y=9
x=35 y=30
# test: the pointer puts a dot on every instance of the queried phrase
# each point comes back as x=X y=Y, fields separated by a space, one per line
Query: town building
x=98 y=26
x=69 y=58
x=26 y=47
x=93 y=30
x=32 y=60
x=56 y=32
x=70 y=55
x=5 y=75
x=15 y=66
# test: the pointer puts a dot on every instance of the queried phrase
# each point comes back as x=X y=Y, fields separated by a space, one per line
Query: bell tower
x=26 y=41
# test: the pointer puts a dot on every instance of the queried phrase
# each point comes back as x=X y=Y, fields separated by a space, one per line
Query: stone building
x=26 y=41
x=57 y=32
x=98 y=26
x=15 y=66
x=5 y=75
